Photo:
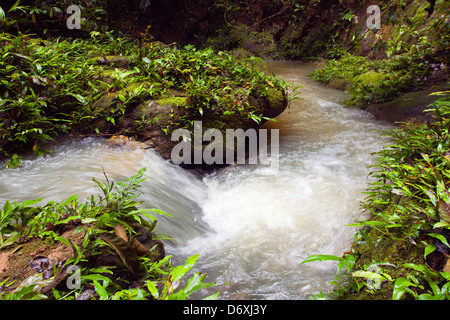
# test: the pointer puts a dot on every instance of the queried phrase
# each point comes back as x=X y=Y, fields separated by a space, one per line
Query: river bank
x=401 y=251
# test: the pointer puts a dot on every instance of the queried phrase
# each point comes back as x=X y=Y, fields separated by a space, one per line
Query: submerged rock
x=408 y=108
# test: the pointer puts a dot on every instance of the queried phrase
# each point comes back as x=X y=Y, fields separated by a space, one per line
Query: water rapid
x=252 y=229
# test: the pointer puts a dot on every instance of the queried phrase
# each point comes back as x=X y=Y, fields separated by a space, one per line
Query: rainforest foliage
x=63 y=86
x=401 y=250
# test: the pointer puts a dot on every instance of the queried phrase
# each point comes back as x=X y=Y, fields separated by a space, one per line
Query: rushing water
x=252 y=229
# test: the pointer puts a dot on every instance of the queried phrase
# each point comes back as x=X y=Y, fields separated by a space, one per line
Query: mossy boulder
x=340 y=84
x=157 y=118
x=161 y=112
x=152 y=120
x=112 y=61
x=387 y=249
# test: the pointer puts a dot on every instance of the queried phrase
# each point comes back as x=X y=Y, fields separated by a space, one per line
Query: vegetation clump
x=402 y=250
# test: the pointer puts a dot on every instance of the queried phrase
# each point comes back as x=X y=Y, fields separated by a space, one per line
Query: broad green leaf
x=196 y=282
x=71 y=200
x=7 y=207
x=96 y=277
x=445 y=275
x=2 y=15
x=179 y=271
x=88 y=220
x=30 y=202
x=179 y=295
x=368 y=275
x=103 y=269
x=401 y=286
x=441 y=225
x=212 y=297
x=427 y=296
x=67 y=220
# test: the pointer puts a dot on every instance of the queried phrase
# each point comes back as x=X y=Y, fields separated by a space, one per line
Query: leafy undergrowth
x=60 y=86
x=402 y=251
x=103 y=249
x=416 y=55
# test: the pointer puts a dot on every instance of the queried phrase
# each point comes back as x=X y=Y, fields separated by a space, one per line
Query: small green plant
x=374 y=81
x=408 y=203
x=413 y=49
x=413 y=284
x=346 y=67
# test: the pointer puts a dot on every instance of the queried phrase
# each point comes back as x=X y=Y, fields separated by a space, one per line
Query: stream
x=251 y=229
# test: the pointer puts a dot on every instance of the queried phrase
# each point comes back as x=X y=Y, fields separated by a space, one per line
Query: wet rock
x=87 y=294
x=121 y=141
x=154 y=117
x=340 y=84
x=147 y=239
x=275 y=103
x=408 y=108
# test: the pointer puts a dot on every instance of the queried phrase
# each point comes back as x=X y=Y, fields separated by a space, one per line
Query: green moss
x=275 y=102
x=227 y=101
x=98 y=92
x=105 y=103
x=174 y=101
x=214 y=124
